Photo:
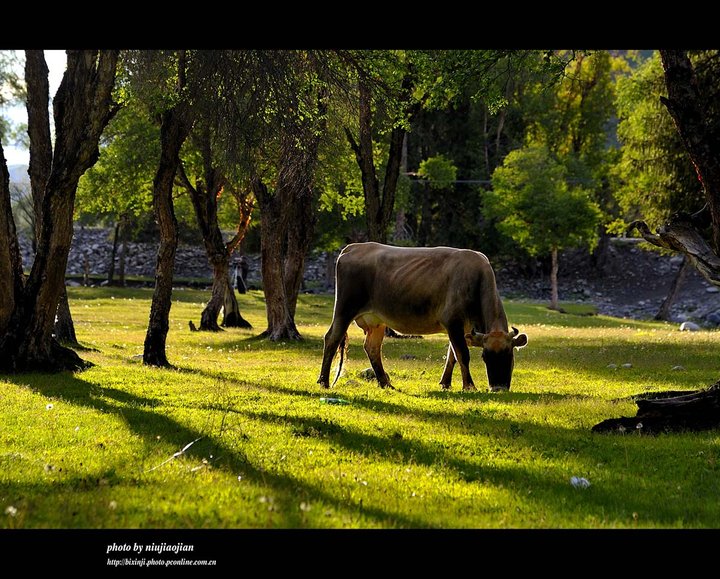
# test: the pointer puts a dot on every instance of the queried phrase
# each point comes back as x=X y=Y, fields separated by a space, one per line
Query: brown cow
x=422 y=290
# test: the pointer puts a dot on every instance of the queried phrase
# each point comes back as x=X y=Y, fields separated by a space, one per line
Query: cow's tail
x=343 y=354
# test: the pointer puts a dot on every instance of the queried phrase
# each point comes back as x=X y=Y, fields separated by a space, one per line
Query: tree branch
x=678 y=234
x=181 y=178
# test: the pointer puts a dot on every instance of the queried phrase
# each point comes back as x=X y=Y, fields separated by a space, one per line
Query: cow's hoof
x=469 y=388
x=388 y=385
x=324 y=383
x=498 y=389
x=444 y=386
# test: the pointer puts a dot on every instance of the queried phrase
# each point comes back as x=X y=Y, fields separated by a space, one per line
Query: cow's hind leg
x=334 y=336
x=462 y=353
x=373 y=348
x=446 y=379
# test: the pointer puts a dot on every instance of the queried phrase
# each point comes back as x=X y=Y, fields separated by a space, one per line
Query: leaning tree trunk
x=82 y=108
x=664 y=311
x=174 y=130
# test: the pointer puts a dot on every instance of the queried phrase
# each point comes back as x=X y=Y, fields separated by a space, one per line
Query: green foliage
x=93 y=449
x=534 y=205
x=120 y=183
x=439 y=172
x=655 y=176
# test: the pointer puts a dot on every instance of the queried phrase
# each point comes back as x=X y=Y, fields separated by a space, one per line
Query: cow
x=421 y=290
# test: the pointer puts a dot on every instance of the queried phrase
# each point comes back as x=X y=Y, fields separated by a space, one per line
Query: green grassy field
x=96 y=449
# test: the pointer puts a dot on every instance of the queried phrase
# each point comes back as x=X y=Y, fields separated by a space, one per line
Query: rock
x=627 y=365
x=612 y=366
x=689 y=327
x=712 y=289
x=72 y=283
x=367 y=374
x=677 y=368
x=714 y=318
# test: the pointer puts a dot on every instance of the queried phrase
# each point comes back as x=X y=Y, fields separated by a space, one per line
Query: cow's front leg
x=446 y=380
x=462 y=354
x=373 y=348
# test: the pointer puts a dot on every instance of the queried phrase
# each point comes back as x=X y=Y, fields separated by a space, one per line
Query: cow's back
x=411 y=288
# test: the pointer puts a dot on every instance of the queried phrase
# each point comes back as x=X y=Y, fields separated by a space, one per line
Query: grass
x=96 y=449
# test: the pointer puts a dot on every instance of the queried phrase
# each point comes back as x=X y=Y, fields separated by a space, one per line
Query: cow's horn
x=515 y=331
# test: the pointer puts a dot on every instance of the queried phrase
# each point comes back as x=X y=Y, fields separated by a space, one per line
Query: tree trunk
x=204 y=195
x=379 y=204
x=82 y=108
x=41 y=158
x=664 y=311
x=687 y=109
x=670 y=412
x=11 y=270
x=273 y=235
x=123 y=252
x=113 y=254
x=64 y=326
x=211 y=312
x=173 y=132
x=231 y=310
x=287 y=227
x=554 y=280
x=300 y=232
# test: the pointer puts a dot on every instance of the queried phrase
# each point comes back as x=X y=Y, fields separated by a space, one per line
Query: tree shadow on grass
x=625 y=489
x=142 y=418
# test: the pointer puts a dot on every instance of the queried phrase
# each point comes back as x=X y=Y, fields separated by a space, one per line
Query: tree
x=657 y=179
x=271 y=114
x=118 y=189
x=693 y=109
x=574 y=120
x=533 y=204
x=696 y=120
x=376 y=70
x=175 y=125
x=205 y=193
x=82 y=107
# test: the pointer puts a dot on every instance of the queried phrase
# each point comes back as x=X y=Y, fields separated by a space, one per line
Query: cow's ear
x=474 y=338
x=520 y=340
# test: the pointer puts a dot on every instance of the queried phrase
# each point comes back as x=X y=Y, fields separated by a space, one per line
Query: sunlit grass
x=94 y=449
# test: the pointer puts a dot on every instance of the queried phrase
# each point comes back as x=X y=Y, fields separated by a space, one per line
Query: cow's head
x=498 y=354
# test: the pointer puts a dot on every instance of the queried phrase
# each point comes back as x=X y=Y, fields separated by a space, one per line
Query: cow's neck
x=494 y=317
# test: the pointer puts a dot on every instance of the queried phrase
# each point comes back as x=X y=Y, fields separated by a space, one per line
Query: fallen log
x=691 y=411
